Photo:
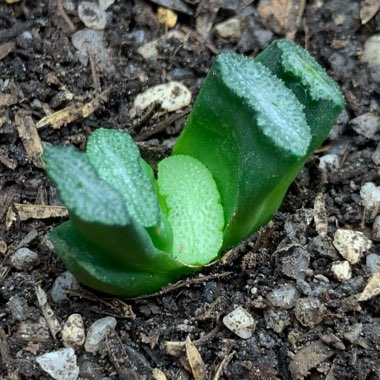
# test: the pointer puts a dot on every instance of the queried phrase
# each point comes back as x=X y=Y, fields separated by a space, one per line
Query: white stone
x=65 y=281
x=24 y=259
x=367 y=125
x=60 y=365
x=371 y=51
x=73 y=334
x=172 y=96
x=240 y=322
x=229 y=29
x=105 y=4
x=351 y=244
x=370 y=194
x=341 y=270
x=97 y=333
x=329 y=162
x=91 y=15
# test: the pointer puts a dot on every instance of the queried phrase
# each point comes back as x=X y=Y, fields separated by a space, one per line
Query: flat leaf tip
x=117 y=160
x=300 y=63
x=81 y=190
x=279 y=114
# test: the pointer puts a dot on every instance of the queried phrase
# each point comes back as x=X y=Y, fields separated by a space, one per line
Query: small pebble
x=367 y=125
x=351 y=244
x=240 y=322
x=295 y=264
x=166 y=17
x=309 y=311
x=91 y=371
x=229 y=29
x=276 y=319
x=97 y=333
x=376 y=229
x=371 y=51
x=329 y=162
x=341 y=270
x=210 y=291
x=91 y=15
x=73 y=334
x=171 y=96
x=370 y=194
x=149 y=50
x=19 y=308
x=372 y=289
x=322 y=247
x=304 y=287
x=24 y=259
x=60 y=365
x=372 y=262
x=64 y=281
x=284 y=296
x=353 y=332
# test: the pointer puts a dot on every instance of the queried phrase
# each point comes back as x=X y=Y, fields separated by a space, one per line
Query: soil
x=41 y=73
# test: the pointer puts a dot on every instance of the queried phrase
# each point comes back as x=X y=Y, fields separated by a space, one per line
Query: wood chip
x=9 y=218
x=282 y=16
x=320 y=215
x=73 y=112
x=4 y=270
x=197 y=365
x=368 y=9
x=3 y=247
x=222 y=366
x=47 y=311
x=28 y=211
x=30 y=139
x=7 y=358
x=5 y=49
x=6 y=161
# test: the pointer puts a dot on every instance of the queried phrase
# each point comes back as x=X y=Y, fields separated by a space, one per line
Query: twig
x=65 y=17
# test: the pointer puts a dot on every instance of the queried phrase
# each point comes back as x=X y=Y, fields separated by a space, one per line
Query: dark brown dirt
x=40 y=73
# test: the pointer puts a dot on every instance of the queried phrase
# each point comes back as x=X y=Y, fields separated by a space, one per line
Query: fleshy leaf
x=81 y=190
x=320 y=95
x=194 y=209
x=116 y=159
x=99 y=214
x=91 y=266
x=249 y=130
